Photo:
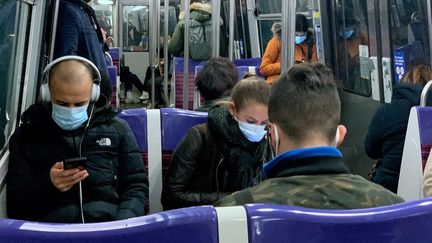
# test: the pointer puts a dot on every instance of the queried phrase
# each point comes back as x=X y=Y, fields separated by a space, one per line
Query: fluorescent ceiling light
x=105 y=2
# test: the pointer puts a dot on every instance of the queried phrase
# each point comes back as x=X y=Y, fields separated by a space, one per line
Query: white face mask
x=253 y=133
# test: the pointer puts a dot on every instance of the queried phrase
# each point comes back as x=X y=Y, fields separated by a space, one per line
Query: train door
x=133 y=23
x=370 y=45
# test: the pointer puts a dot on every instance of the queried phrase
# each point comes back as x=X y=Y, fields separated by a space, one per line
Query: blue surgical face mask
x=69 y=118
x=300 y=39
x=347 y=34
x=253 y=133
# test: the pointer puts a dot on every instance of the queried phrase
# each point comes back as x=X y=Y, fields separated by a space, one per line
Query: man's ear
x=231 y=108
x=342 y=131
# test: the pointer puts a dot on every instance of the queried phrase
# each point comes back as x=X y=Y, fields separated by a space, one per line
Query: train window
x=409 y=35
x=14 y=17
x=275 y=6
x=352 y=46
x=135 y=28
x=105 y=18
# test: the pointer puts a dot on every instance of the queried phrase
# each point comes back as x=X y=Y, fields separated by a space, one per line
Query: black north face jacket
x=117 y=185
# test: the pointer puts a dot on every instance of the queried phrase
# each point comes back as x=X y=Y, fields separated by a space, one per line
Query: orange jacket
x=270 y=64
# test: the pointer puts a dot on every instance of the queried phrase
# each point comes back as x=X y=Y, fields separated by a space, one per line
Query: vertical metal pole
x=288 y=34
x=429 y=12
x=186 y=57
x=155 y=57
x=216 y=27
x=166 y=59
x=232 y=16
x=54 y=29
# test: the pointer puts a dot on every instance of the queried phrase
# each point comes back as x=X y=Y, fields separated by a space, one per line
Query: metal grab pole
x=166 y=59
x=232 y=7
x=186 y=57
x=216 y=27
x=54 y=29
x=288 y=34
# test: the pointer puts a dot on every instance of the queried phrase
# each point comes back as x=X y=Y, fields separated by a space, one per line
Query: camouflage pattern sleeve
x=226 y=201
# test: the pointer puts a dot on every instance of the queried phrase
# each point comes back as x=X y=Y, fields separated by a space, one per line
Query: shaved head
x=71 y=72
x=70 y=83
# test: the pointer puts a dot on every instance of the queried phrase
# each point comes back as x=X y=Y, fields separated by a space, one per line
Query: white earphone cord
x=80 y=154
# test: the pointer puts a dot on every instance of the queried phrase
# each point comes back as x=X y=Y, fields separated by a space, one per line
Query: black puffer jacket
x=213 y=160
x=386 y=134
x=117 y=186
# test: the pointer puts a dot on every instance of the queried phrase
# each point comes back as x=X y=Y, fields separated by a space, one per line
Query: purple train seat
x=248 y=62
x=178 y=82
x=418 y=142
x=406 y=222
x=112 y=73
x=137 y=120
x=174 y=124
x=197 y=224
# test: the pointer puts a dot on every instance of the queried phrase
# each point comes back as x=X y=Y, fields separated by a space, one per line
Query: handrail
x=425 y=91
x=110 y=58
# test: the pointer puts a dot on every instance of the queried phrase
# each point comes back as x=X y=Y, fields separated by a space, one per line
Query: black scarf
x=242 y=159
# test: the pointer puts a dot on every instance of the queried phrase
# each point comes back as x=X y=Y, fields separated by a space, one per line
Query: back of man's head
x=305 y=104
x=217 y=78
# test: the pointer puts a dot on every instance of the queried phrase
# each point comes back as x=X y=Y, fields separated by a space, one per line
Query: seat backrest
x=137 y=120
x=406 y=222
x=197 y=224
x=176 y=123
x=418 y=142
x=178 y=73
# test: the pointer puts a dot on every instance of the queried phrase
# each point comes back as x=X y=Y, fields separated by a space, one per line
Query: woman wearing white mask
x=304 y=50
x=225 y=154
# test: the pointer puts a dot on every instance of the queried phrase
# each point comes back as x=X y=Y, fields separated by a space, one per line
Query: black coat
x=116 y=188
x=213 y=160
x=386 y=134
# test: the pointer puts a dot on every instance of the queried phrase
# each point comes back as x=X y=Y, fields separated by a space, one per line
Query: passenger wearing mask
x=215 y=81
x=110 y=182
x=309 y=171
x=78 y=33
x=350 y=39
x=225 y=154
x=304 y=51
x=386 y=135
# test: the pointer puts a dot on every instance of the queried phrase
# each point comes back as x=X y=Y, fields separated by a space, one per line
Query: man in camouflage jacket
x=308 y=171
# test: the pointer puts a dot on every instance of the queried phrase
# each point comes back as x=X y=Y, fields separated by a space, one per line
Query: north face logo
x=104 y=142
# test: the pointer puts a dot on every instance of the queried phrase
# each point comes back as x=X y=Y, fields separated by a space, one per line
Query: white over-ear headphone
x=45 y=90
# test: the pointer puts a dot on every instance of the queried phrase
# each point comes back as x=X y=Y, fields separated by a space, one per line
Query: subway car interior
x=390 y=34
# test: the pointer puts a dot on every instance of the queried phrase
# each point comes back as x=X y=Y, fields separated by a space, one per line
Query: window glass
x=353 y=46
x=105 y=19
x=409 y=35
x=8 y=38
x=135 y=28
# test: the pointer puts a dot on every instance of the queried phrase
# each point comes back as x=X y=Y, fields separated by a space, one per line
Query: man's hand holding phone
x=68 y=173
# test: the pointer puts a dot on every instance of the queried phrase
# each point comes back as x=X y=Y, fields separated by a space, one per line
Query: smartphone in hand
x=74 y=163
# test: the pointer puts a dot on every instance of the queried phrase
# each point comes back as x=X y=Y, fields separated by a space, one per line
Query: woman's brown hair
x=418 y=74
x=250 y=90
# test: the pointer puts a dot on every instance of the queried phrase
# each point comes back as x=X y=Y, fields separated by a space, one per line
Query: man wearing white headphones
x=70 y=162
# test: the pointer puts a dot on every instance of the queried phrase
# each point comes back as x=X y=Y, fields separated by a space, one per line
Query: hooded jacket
x=213 y=160
x=116 y=188
x=201 y=13
x=271 y=61
x=386 y=135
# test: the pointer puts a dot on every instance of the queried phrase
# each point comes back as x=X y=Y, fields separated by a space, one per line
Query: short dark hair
x=302 y=23
x=250 y=90
x=305 y=102
x=217 y=78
